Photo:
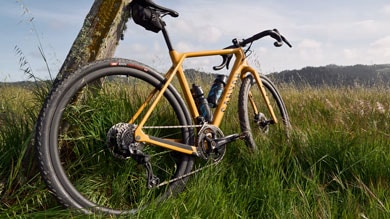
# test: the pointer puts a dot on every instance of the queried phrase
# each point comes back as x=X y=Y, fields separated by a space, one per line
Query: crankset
x=207 y=146
x=212 y=143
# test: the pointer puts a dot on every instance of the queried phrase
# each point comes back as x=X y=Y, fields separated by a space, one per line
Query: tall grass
x=336 y=164
x=20 y=191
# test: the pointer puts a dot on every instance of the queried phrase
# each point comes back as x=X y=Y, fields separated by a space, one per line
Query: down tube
x=263 y=92
x=227 y=92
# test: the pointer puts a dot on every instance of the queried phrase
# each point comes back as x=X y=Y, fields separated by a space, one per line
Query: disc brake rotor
x=262 y=122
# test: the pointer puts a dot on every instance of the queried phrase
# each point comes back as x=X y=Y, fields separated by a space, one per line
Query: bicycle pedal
x=244 y=135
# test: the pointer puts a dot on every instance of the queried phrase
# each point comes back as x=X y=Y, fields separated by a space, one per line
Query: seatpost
x=166 y=38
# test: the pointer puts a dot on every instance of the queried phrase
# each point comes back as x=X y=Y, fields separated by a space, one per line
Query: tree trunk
x=102 y=29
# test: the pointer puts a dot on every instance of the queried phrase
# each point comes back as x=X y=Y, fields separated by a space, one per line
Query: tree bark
x=102 y=29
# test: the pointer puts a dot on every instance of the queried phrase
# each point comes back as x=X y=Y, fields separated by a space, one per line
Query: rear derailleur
x=121 y=143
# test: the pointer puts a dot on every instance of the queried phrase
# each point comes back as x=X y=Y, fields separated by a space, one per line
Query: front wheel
x=76 y=138
x=255 y=118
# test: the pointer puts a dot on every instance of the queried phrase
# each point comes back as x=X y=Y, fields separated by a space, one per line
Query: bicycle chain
x=187 y=175
x=172 y=127
x=190 y=173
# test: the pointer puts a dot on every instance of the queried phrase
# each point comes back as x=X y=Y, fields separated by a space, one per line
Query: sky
x=345 y=32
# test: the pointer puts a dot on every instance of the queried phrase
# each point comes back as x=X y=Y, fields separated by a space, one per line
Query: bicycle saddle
x=150 y=3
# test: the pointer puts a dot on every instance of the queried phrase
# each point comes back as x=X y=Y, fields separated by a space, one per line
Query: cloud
x=322 y=32
x=382 y=42
x=310 y=49
x=199 y=32
x=386 y=10
x=59 y=19
x=380 y=49
x=184 y=46
x=211 y=35
x=351 y=54
x=310 y=44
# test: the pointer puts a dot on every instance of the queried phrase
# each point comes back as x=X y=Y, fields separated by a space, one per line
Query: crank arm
x=217 y=143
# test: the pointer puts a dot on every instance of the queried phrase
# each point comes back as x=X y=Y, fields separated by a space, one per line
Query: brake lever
x=225 y=62
x=278 y=44
x=286 y=41
x=281 y=39
x=276 y=35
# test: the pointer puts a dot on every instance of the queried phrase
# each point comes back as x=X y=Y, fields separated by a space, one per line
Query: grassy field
x=336 y=165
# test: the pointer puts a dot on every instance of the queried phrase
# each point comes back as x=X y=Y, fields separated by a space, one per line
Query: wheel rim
x=86 y=163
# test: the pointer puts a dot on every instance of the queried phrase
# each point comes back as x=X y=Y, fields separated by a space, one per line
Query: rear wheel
x=76 y=138
x=255 y=118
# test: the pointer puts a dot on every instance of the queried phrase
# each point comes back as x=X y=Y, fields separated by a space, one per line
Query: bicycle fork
x=260 y=85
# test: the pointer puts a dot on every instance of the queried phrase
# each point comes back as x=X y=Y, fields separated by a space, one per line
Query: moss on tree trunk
x=99 y=36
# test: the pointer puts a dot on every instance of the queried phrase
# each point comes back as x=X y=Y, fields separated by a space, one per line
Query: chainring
x=207 y=149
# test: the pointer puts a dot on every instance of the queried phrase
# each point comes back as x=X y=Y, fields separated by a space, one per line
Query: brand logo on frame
x=230 y=91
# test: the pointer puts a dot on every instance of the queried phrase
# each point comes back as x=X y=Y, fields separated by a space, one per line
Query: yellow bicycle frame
x=240 y=70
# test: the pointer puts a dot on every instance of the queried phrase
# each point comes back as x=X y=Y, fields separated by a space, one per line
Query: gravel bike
x=116 y=134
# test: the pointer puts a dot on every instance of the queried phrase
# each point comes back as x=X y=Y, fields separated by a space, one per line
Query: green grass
x=336 y=164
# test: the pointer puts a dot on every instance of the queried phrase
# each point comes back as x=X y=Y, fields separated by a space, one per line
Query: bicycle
x=116 y=134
